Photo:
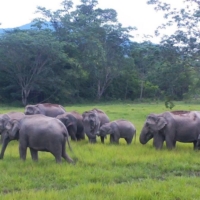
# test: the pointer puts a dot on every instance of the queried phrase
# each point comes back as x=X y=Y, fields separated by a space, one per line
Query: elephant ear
x=161 y=123
x=13 y=127
x=5 y=118
x=8 y=126
x=66 y=121
x=102 y=131
x=151 y=119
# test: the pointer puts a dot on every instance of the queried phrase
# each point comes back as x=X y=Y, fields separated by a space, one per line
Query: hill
x=22 y=27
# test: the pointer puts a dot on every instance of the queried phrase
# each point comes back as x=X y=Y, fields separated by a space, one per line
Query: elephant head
x=154 y=123
x=104 y=130
x=91 y=124
x=70 y=123
x=12 y=128
x=32 y=110
x=67 y=120
x=3 y=121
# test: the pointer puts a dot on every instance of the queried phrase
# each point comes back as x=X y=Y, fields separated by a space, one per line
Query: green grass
x=106 y=171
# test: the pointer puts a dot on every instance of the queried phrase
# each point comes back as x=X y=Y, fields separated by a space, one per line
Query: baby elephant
x=118 y=129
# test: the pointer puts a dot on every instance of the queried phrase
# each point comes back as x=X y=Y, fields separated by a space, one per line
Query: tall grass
x=106 y=171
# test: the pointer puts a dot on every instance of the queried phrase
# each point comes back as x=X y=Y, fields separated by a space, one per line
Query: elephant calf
x=118 y=129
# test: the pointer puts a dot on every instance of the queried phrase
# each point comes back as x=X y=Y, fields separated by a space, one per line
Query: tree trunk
x=98 y=90
x=141 y=90
x=25 y=93
x=126 y=90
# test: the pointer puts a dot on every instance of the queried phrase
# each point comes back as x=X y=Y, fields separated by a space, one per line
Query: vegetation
x=80 y=54
x=105 y=171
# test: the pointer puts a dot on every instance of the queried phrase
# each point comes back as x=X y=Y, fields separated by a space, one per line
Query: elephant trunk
x=14 y=131
x=145 y=136
x=90 y=135
x=6 y=140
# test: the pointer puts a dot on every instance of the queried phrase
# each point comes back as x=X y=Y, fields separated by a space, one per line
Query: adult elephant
x=92 y=121
x=48 y=109
x=74 y=124
x=40 y=133
x=181 y=126
x=118 y=129
x=4 y=118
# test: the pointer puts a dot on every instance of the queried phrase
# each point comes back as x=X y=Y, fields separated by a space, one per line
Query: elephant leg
x=102 y=139
x=158 y=141
x=56 y=150
x=116 y=139
x=170 y=143
x=66 y=157
x=34 y=154
x=58 y=157
x=22 y=151
x=72 y=133
x=6 y=140
x=111 y=139
x=128 y=140
x=195 y=147
x=64 y=154
x=80 y=135
x=92 y=140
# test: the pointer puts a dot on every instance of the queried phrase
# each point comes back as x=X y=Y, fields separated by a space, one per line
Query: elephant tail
x=67 y=138
x=65 y=154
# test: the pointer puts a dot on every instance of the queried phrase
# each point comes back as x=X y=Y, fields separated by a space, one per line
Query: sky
x=136 y=13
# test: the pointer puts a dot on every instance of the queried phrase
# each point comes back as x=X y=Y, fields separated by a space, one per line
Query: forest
x=84 y=54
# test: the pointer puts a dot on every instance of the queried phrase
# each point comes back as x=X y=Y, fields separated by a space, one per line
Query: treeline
x=84 y=54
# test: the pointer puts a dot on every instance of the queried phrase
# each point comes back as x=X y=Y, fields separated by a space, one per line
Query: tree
x=28 y=58
x=145 y=55
x=94 y=38
x=184 y=42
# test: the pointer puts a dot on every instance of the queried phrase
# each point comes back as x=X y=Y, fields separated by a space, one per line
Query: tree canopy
x=84 y=53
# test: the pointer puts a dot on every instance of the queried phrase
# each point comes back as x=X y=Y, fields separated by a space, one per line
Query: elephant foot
x=92 y=141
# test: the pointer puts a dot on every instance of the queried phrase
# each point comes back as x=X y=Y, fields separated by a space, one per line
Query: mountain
x=23 y=27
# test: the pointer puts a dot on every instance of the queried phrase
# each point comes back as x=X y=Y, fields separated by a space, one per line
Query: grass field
x=106 y=171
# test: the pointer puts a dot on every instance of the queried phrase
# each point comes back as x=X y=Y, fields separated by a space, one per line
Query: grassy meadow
x=105 y=171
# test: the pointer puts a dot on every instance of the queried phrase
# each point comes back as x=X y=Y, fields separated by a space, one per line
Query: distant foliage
x=82 y=53
x=169 y=104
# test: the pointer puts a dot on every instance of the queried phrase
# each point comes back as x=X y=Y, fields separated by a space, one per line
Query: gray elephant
x=4 y=118
x=48 y=109
x=40 y=133
x=181 y=126
x=118 y=129
x=92 y=121
x=74 y=124
x=1 y=132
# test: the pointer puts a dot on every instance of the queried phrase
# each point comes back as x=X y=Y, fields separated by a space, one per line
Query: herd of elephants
x=47 y=127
